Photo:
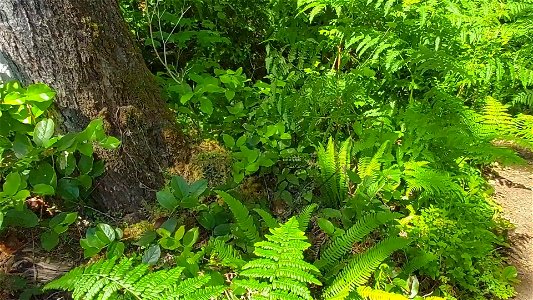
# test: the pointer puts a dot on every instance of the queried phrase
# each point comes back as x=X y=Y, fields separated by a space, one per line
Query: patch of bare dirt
x=514 y=192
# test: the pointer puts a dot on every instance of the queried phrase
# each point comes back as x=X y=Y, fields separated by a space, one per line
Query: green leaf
x=206 y=105
x=179 y=186
x=44 y=190
x=43 y=131
x=66 y=163
x=22 y=145
x=92 y=131
x=92 y=240
x=146 y=238
x=11 y=184
x=110 y=143
x=169 y=243
x=229 y=141
x=60 y=222
x=207 y=220
x=105 y=233
x=90 y=251
x=14 y=98
x=116 y=249
x=49 y=240
x=240 y=141
x=85 y=164
x=68 y=189
x=170 y=224
x=151 y=255
x=326 y=225
x=86 y=148
x=197 y=188
x=236 y=109
x=190 y=237
x=85 y=181
x=98 y=168
x=22 y=218
x=185 y=98
x=230 y=94
x=179 y=233
x=39 y=92
x=44 y=173
x=167 y=199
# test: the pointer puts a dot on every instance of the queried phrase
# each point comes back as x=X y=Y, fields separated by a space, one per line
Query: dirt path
x=514 y=192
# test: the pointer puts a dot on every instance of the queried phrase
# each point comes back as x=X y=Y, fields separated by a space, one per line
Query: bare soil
x=514 y=192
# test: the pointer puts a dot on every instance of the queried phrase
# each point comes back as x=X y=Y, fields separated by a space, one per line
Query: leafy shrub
x=35 y=160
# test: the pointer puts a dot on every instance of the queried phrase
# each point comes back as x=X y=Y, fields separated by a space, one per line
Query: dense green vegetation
x=349 y=139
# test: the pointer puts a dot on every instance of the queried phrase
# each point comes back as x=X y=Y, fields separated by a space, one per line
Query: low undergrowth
x=340 y=149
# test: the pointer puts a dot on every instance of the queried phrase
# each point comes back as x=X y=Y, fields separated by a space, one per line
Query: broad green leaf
x=14 y=98
x=49 y=240
x=85 y=164
x=197 y=188
x=105 y=233
x=86 y=148
x=151 y=255
x=39 y=92
x=92 y=131
x=116 y=249
x=60 y=222
x=44 y=190
x=185 y=98
x=110 y=143
x=206 y=105
x=98 y=168
x=68 y=189
x=44 y=130
x=190 y=237
x=85 y=181
x=44 y=173
x=326 y=225
x=170 y=224
x=179 y=233
x=22 y=218
x=146 y=238
x=22 y=145
x=229 y=141
x=11 y=184
x=167 y=199
x=230 y=94
x=179 y=186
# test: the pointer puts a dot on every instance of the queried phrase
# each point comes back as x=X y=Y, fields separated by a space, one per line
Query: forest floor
x=514 y=192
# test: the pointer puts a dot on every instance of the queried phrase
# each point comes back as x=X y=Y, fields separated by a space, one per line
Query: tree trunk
x=83 y=49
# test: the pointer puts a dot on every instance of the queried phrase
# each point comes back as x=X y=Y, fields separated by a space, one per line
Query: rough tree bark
x=83 y=49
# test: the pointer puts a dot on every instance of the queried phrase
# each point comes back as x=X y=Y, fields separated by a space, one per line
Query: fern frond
x=333 y=168
x=328 y=169
x=341 y=245
x=225 y=253
x=497 y=118
x=280 y=270
x=105 y=279
x=270 y=221
x=525 y=98
x=343 y=166
x=360 y=268
x=242 y=216
x=304 y=216
x=369 y=167
x=424 y=179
